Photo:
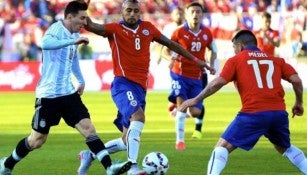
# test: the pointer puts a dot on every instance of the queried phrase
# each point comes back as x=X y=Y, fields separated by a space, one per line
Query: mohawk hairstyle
x=133 y=1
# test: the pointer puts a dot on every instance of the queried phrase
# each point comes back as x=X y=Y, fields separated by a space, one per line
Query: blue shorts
x=185 y=88
x=246 y=129
x=128 y=97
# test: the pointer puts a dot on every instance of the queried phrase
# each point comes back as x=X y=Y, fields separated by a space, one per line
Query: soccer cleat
x=197 y=134
x=136 y=171
x=180 y=146
x=86 y=159
x=3 y=169
x=119 y=168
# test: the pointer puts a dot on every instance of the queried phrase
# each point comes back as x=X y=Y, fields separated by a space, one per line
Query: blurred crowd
x=23 y=22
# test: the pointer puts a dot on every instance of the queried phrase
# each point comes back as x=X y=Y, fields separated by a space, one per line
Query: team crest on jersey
x=42 y=123
x=145 y=32
x=133 y=102
x=205 y=37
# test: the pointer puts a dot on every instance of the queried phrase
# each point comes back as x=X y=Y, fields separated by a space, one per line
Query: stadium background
x=23 y=23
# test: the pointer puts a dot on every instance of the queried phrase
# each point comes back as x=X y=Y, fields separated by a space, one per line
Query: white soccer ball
x=155 y=163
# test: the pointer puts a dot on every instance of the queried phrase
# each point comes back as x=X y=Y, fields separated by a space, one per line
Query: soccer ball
x=155 y=163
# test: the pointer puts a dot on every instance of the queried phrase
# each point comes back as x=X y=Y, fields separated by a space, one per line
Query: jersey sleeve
x=228 y=72
x=155 y=32
x=287 y=70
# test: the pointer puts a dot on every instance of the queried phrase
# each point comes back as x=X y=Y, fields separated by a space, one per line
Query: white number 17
x=269 y=73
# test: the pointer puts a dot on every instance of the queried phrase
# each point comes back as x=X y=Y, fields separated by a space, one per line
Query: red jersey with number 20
x=196 y=44
x=257 y=77
x=131 y=50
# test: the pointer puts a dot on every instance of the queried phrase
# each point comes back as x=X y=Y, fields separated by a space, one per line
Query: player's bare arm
x=180 y=50
x=96 y=28
x=82 y=40
x=297 y=108
x=215 y=85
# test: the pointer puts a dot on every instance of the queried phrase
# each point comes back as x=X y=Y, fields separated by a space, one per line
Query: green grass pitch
x=59 y=154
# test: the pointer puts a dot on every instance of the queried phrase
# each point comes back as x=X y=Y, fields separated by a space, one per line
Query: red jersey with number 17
x=131 y=50
x=257 y=77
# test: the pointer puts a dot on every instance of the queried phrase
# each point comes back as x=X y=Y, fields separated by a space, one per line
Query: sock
x=97 y=147
x=217 y=161
x=133 y=140
x=22 y=150
x=180 y=125
x=199 y=120
x=115 y=145
x=297 y=158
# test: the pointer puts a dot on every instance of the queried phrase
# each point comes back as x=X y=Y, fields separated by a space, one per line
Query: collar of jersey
x=254 y=48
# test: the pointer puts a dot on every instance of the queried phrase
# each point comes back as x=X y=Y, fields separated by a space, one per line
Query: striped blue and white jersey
x=60 y=61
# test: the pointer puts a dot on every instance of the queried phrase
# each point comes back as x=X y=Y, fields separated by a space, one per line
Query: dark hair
x=246 y=37
x=178 y=8
x=74 y=7
x=197 y=4
x=132 y=1
x=266 y=15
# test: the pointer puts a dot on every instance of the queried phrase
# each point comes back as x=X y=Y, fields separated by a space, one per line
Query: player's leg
x=296 y=156
x=76 y=115
x=24 y=146
x=219 y=157
x=200 y=118
x=129 y=98
x=133 y=141
x=98 y=148
x=199 y=124
x=41 y=123
x=279 y=135
x=180 y=127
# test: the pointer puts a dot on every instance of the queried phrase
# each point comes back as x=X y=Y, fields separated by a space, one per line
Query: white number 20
x=269 y=73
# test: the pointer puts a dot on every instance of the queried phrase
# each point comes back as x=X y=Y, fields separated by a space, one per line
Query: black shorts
x=49 y=111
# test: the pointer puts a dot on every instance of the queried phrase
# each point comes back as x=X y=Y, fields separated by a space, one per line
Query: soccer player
x=130 y=40
x=56 y=96
x=257 y=76
x=186 y=76
x=267 y=38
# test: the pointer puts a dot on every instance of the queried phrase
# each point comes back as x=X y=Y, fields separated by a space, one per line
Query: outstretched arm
x=210 y=89
x=96 y=28
x=180 y=50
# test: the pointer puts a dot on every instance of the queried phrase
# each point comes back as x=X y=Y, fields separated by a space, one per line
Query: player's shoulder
x=146 y=23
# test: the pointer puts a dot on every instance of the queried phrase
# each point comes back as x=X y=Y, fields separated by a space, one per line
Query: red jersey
x=131 y=50
x=263 y=42
x=257 y=77
x=196 y=44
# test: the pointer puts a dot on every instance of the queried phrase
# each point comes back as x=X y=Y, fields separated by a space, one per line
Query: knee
x=36 y=142
x=86 y=128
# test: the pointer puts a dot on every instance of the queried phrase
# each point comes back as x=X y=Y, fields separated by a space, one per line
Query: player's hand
x=80 y=89
x=297 y=109
x=211 y=70
x=186 y=104
x=202 y=64
x=82 y=40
